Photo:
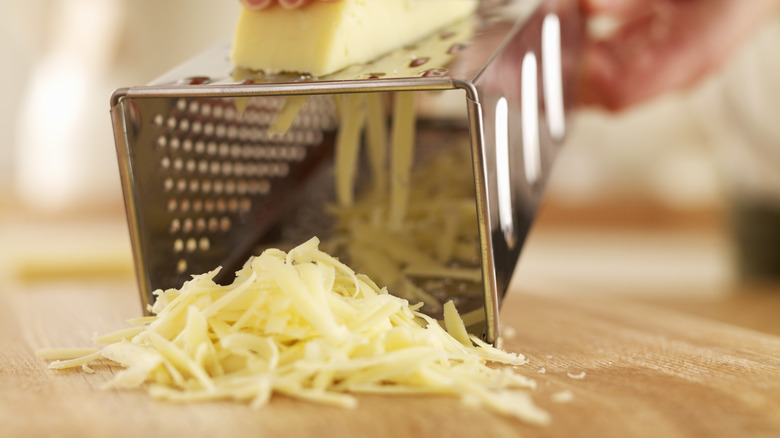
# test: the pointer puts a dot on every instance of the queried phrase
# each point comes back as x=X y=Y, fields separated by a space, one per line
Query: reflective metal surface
x=205 y=179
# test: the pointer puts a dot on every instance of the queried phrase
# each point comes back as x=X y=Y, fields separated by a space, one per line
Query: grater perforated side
x=206 y=182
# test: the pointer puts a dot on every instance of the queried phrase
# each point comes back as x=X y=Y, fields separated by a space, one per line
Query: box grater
x=206 y=182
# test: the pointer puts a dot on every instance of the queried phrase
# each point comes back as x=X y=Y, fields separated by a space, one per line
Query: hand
x=662 y=45
x=290 y=4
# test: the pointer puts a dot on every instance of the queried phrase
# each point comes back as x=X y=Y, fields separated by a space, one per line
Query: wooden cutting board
x=647 y=372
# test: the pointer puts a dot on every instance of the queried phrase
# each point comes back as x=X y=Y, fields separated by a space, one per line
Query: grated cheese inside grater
x=212 y=171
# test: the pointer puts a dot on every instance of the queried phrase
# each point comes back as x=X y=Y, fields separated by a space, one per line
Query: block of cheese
x=325 y=37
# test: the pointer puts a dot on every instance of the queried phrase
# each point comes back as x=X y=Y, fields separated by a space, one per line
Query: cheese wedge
x=325 y=37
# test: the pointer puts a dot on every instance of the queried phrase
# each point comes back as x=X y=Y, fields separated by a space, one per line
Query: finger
x=615 y=8
x=632 y=68
x=257 y=5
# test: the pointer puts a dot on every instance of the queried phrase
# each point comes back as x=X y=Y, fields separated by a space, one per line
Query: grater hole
x=264 y=187
x=245 y=204
x=266 y=118
x=191 y=245
x=200 y=225
x=194 y=107
x=194 y=185
x=178 y=245
x=162 y=141
x=213 y=224
x=181 y=266
x=215 y=167
x=224 y=224
x=165 y=163
x=178 y=164
x=184 y=125
x=171 y=123
x=221 y=205
x=175 y=226
x=205 y=186
x=238 y=168
x=200 y=147
x=187 y=145
x=312 y=137
x=175 y=143
x=305 y=120
x=204 y=244
x=254 y=134
x=218 y=112
x=184 y=206
x=235 y=150
x=233 y=205
x=230 y=114
x=230 y=187
x=203 y=166
x=186 y=226
x=208 y=129
x=158 y=120
x=181 y=185
x=434 y=72
x=419 y=61
x=264 y=169
x=205 y=109
x=197 y=206
x=224 y=149
x=232 y=132
x=168 y=184
x=211 y=148
x=447 y=35
x=196 y=80
x=191 y=165
x=220 y=131
x=197 y=127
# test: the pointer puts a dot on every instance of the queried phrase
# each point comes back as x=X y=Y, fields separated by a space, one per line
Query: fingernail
x=291 y=4
x=257 y=5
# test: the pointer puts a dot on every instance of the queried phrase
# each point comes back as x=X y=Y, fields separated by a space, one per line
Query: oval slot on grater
x=209 y=178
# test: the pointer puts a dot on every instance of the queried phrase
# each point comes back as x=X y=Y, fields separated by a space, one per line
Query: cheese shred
x=304 y=325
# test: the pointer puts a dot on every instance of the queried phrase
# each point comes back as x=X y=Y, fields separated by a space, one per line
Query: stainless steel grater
x=206 y=182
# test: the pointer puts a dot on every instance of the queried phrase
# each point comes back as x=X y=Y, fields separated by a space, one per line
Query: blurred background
x=642 y=203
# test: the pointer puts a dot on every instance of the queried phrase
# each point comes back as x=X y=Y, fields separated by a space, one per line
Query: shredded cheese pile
x=305 y=325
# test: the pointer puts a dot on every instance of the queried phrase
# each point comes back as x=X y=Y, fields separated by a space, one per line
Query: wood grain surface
x=648 y=372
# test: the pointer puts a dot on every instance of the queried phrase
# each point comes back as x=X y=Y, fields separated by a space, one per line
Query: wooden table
x=649 y=371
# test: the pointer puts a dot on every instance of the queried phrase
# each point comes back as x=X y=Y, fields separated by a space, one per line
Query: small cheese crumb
x=576 y=376
x=542 y=370
x=563 y=396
